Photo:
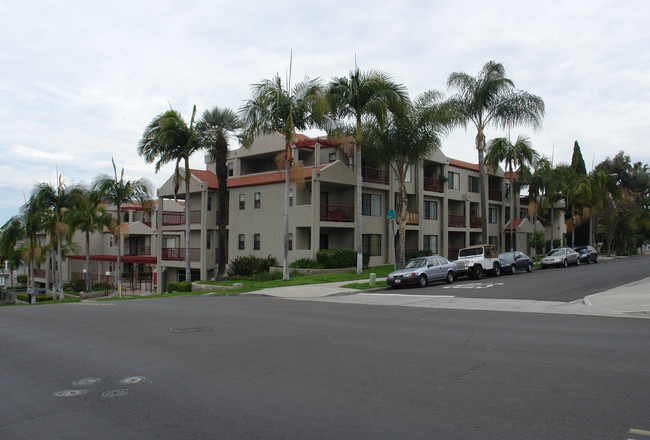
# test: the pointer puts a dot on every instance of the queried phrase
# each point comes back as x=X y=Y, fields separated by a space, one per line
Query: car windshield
x=556 y=252
x=416 y=262
x=507 y=256
x=582 y=250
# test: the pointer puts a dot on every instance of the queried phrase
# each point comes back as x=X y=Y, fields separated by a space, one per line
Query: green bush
x=251 y=265
x=336 y=258
x=305 y=263
x=39 y=298
x=21 y=279
x=179 y=286
x=74 y=286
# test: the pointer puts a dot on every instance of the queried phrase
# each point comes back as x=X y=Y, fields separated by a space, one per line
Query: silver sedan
x=560 y=257
x=423 y=270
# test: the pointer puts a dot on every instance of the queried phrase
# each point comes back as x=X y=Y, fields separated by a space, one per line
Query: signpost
x=391 y=216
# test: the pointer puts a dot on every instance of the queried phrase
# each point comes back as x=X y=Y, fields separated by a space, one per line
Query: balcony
x=456 y=221
x=495 y=194
x=336 y=213
x=178 y=254
x=436 y=185
x=174 y=218
x=475 y=222
x=373 y=175
x=39 y=273
x=452 y=253
x=134 y=251
x=413 y=218
x=524 y=200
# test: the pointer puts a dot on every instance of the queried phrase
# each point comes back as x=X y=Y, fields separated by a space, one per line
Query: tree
x=491 y=99
x=406 y=141
x=213 y=130
x=88 y=215
x=168 y=139
x=370 y=94
x=518 y=157
x=577 y=162
x=275 y=107
x=117 y=191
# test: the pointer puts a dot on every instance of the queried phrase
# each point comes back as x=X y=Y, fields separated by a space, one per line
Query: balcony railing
x=336 y=213
x=171 y=218
x=524 y=200
x=456 y=221
x=475 y=222
x=495 y=194
x=178 y=254
x=434 y=184
x=412 y=218
x=452 y=253
x=132 y=251
x=39 y=273
x=373 y=175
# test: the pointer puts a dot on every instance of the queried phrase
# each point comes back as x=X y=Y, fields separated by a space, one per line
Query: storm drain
x=70 y=393
x=89 y=381
x=117 y=392
x=132 y=379
x=192 y=329
x=86 y=381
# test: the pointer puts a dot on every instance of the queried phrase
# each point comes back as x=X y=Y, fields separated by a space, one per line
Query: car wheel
x=513 y=269
x=496 y=270
x=588 y=260
x=477 y=271
x=530 y=267
x=422 y=281
x=565 y=263
x=577 y=262
x=450 y=277
x=596 y=259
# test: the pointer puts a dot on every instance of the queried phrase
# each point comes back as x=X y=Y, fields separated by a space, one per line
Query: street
x=268 y=368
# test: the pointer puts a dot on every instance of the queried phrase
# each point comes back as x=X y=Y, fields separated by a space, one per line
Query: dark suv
x=587 y=254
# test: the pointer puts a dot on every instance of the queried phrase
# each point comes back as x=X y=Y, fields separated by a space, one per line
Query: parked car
x=587 y=254
x=513 y=262
x=477 y=260
x=422 y=270
x=560 y=257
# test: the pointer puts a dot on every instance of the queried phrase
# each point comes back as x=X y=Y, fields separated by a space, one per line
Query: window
x=371 y=205
x=371 y=244
x=493 y=216
x=454 y=180
x=231 y=169
x=431 y=243
x=207 y=241
x=241 y=242
x=257 y=200
x=110 y=241
x=291 y=197
x=242 y=201
x=430 y=210
x=493 y=239
x=209 y=203
x=290 y=241
x=332 y=157
x=256 y=242
x=472 y=184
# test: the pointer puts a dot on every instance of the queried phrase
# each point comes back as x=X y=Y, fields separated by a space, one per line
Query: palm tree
x=88 y=215
x=213 y=130
x=537 y=187
x=276 y=108
x=54 y=202
x=167 y=139
x=491 y=99
x=406 y=141
x=518 y=157
x=360 y=95
x=116 y=191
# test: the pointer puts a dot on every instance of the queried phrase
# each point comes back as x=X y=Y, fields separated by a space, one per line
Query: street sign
x=391 y=214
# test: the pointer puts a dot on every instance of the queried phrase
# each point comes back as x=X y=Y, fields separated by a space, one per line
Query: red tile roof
x=306 y=142
x=253 y=179
x=516 y=222
x=461 y=164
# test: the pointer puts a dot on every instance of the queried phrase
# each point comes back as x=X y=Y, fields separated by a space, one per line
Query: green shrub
x=39 y=298
x=179 y=286
x=336 y=258
x=76 y=285
x=21 y=279
x=305 y=263
x=251 y=265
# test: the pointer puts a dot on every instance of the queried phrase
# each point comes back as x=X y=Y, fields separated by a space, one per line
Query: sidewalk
x=630 y=300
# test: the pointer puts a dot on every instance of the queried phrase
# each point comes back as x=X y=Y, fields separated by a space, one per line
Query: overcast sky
x=79 y=80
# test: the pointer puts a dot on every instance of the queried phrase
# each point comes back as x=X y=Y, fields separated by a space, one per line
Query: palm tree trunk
x=188 y=267
x=552 y=223
x=87 y=276
x=285 y=263
x=222 y=192
x=403 y=205
x=59 y=269
x=512 y=212
x=359 y=210
x=480 y=146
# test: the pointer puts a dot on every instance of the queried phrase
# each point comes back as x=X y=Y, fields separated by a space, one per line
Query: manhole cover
x=192 y=329
x=86 y=381
x=70 y=393
x=118 y=392
x=132 y=379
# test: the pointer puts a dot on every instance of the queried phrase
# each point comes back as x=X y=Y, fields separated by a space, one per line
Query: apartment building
x=443 y=208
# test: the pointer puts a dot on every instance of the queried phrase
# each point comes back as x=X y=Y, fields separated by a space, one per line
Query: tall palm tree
x=213 y=130
x=88 y=215
x=490 y=99
x=54 y=202
x=407 y=139
x=117 y=191
x=360 y=95
x=168 y=139
x=518 y=158
x=275 y=107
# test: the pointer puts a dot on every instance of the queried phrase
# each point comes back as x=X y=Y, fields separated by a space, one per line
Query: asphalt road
x=267 y=368
x=553 y=284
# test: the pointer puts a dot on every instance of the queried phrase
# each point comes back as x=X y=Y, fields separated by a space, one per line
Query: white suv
x=475 y=260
